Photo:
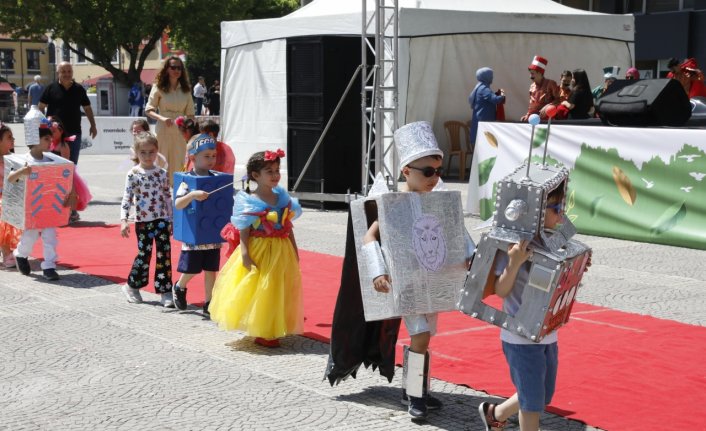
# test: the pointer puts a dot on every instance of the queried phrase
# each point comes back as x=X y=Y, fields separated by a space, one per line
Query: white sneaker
x=9 y=261
x=133 y=295
x=167 y=300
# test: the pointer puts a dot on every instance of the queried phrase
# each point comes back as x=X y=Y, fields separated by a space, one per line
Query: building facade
x=22 y=59
x=664 y=29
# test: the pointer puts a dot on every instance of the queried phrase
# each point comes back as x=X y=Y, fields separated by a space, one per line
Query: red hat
x=689 y=64
x=538 y=64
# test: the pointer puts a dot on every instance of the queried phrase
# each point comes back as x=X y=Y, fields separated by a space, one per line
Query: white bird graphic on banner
x=648 y=184
x=686 y=189
x=697 y=175
x=689 y=157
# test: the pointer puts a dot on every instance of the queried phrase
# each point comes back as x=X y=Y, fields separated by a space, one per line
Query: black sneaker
x=417 y=409
x=23 y=265
x=206 y=313
x=432 y=402
x=50 y=274
x=179 y=297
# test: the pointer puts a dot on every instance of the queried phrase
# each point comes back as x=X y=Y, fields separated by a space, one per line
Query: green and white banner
x=639 y=184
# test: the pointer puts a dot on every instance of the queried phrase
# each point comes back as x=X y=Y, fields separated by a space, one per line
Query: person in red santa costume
x=692 y=78
x=542 y=92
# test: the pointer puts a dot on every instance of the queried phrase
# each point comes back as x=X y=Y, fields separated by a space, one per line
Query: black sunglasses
x=177 y=67
x=428 y=171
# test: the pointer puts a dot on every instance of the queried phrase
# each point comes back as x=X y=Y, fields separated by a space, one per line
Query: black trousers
x=157 y=232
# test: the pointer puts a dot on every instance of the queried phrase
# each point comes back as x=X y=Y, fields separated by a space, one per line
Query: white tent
x=442 y=43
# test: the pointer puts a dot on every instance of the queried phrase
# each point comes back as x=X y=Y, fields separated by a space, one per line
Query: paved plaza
x=76 y=355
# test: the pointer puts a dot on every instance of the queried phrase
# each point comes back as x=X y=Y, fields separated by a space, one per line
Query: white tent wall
x=254 y=99
x=440 y=70
x=442 y=43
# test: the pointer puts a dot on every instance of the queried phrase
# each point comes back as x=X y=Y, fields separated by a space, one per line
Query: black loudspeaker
x=648 y=102
x=318 y=71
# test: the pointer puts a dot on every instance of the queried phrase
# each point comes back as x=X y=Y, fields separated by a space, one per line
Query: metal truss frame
x=379 y=93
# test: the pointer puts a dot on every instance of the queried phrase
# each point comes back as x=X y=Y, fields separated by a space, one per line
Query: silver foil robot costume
x=557 y=263
x=423 y=247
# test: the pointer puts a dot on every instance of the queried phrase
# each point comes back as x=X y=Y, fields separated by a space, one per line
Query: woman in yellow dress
x=170 y=98
x=259 y=289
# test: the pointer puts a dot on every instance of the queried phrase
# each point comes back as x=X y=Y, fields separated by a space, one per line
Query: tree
x=135 y=26
x=200 y=36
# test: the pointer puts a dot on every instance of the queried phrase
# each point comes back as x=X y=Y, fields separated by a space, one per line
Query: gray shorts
x=421 y=323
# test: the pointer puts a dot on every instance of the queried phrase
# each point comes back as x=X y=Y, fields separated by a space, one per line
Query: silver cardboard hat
x=414 y=141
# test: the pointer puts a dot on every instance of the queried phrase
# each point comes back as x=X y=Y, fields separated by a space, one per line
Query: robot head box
x=555 y=269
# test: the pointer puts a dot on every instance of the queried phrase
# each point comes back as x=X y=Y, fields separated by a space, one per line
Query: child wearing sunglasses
x=533 y=366
x=421 y=160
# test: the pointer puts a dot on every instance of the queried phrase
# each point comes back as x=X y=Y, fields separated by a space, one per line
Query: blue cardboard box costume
x=201 y=222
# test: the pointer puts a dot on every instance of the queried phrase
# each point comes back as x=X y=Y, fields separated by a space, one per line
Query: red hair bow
x=274 y=155
x=179 y=121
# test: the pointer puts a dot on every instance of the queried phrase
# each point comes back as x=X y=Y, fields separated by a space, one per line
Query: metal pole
x=363 y=97
x=529 y=158
x=546 y=144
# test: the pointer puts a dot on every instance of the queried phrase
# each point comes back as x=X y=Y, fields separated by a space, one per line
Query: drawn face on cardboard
x=429 y=242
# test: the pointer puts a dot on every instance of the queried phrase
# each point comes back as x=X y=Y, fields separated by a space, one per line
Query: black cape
x=353 y=340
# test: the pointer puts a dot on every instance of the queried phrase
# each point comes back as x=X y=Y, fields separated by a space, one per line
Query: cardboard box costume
x=422 y=237
x=37 y=201
x=557 y=264
x=201 y=221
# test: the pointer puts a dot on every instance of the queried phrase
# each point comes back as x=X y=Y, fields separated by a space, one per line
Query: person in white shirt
x=199 y=94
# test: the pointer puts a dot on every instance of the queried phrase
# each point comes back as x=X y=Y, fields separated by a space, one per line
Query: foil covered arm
x=371 y=254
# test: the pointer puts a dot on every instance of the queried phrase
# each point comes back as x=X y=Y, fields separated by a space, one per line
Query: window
x=115 y=57
x=634 y=6
x=577 y=4
x=33 y=60
x=662 y=5
x=7 y=60
x=52 y=53
x=606 y=6
x=695 y=4
x=81 y=54
x=65 y=52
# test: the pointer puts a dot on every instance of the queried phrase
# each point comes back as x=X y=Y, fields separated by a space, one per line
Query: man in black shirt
x=64 y=99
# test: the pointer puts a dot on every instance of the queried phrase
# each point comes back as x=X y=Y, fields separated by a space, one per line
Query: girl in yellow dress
x=259 y=289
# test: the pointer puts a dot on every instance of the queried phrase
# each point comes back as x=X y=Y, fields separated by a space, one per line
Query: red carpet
x=618 y=371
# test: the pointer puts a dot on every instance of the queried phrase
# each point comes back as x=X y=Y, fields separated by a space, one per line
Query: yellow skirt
x=265 y=301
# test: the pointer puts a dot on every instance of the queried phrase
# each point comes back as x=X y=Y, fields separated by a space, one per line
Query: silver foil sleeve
x=371 y=253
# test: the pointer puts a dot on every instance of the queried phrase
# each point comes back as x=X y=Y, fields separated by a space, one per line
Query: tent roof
x=434 y=17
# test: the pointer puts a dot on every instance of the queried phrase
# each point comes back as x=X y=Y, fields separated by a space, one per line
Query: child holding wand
x=202 y=257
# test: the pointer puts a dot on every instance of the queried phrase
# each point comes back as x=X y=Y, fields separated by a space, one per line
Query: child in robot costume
x=533 y=366
x=421 y=161
x=48 y=235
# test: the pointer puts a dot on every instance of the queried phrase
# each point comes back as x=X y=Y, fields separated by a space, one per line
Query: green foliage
x=136 y=26
x=200 y=35
x=484 y=169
